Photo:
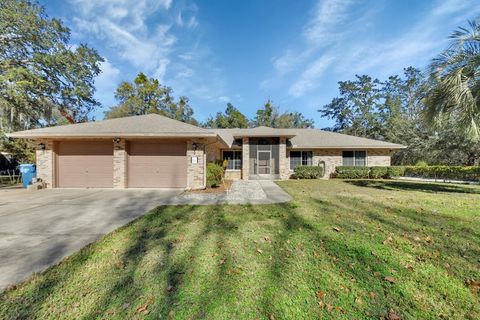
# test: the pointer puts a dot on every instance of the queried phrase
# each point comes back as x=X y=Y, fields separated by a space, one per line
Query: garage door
x=157 y=164
x=85 y=164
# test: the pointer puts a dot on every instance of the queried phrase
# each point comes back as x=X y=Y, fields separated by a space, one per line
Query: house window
x=300 y=158
x=234 y=159
x=355 y=158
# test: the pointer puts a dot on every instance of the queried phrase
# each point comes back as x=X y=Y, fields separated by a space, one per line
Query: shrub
x=351 y=172
x=378 y=172
x=308 y=172
x=421 y=164
x=444 y=172
x=215 y=173
x=395 y=171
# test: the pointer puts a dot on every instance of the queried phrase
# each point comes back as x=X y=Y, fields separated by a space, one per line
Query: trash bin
x=28 y=172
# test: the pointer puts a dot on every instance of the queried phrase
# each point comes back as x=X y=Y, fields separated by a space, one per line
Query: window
x=355 y=158
x=300 y=158
x=234 y=159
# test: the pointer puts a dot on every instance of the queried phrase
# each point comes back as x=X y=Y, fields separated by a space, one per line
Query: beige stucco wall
x=45 y=160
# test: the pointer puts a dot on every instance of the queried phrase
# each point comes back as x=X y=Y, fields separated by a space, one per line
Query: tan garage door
x=85 y=164
x=157 y=164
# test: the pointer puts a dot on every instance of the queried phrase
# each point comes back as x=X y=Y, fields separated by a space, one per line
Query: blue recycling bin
x=28 y=171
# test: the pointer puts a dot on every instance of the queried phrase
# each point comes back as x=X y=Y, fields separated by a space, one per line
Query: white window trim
x=289 y=151
x=241 y=158
x=366 y=157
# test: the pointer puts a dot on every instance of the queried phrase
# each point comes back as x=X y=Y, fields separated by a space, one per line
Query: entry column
x=119 y=164
x=245 y=158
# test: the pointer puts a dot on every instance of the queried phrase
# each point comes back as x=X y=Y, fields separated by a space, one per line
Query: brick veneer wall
x=246 y=156
x=379 y=158
x=120 y=164
x=45 y=160
x=333 y=158
x=196 y=171
x=284 y=169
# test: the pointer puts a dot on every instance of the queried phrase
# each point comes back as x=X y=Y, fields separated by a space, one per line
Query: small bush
x=395 y=171
x=215 y=173
x=378 y=172
x=444 y=172
x=351 y=172
x=308 y=172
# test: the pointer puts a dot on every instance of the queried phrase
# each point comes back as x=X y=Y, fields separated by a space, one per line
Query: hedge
x=444 y=172
x=308 y=172
x=351 y=172
x=426 y=172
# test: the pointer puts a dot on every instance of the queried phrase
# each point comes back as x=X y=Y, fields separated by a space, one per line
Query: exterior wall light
x=41 y=146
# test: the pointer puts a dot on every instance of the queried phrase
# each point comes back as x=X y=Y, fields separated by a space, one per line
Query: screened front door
x=263 y=162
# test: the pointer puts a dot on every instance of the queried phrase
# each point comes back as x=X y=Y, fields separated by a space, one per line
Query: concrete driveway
x=39 y=228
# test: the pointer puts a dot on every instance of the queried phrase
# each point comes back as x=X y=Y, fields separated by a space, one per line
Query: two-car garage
x=149 y=164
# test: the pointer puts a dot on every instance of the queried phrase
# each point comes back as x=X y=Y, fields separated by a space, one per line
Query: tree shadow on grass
x=413 y=186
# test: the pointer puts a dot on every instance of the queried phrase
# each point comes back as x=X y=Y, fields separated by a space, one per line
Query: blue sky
x=293 y=52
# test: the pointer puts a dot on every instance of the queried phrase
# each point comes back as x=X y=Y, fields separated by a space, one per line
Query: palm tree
x=455 y=76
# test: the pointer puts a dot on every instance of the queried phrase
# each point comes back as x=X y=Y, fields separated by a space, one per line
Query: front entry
x=263 y=162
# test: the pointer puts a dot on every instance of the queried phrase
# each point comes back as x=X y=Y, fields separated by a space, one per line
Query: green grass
x=282 y=261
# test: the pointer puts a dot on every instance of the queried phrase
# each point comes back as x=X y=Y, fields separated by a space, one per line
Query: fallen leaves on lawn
x=222 y=261
x=409 y=266
x=359 y=301
x=392 y=315
x=320 y=294
x=371 y=294
x=474 y=285
x=337 y=229
x=170 y=288
x=143 y=309
x=388 y=240
x=260 y=251
x=390 y=279
x=428 y=239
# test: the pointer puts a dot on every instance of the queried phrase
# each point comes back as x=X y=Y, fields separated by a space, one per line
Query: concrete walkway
x=242 y=192
x=40 y=228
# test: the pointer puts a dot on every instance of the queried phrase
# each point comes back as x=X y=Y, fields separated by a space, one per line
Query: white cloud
x=122 y=24
x=309 y=77
x=106 y=82
x=327 y=17
x=337 y=39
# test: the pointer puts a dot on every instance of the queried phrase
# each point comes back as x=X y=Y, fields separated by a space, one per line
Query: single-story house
x=153 y=151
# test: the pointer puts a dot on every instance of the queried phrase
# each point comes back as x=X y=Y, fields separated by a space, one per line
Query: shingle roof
x=309 y=138
x=151 y=125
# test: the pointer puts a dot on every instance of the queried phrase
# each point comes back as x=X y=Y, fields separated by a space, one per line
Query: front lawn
x=340 y=249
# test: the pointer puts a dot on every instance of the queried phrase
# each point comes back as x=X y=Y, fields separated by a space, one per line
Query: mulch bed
x=222 y=188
